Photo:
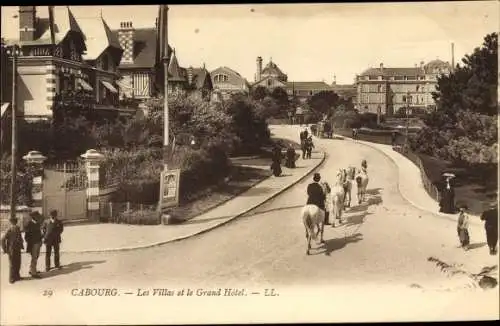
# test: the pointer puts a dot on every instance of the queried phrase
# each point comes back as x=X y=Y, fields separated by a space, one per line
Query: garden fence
x=129 y=213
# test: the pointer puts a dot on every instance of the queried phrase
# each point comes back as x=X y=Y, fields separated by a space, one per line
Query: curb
x=437 y=214
x=247 y=210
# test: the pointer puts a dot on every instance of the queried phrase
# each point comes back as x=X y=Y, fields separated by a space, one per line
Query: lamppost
x=14 y=51
x=408 y=101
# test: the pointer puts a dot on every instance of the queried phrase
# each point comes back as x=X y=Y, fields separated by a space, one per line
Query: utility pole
x=408 y=99
x=13 y=197
x=164 y=42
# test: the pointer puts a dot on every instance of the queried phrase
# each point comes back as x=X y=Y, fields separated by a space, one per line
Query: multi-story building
x=386 y=90
x=226 y=81
x=59 y=59
x=195 y=81
x=345 y=91
x=272 y=77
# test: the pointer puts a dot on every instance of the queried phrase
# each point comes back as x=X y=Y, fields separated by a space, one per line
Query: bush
x=24 y=182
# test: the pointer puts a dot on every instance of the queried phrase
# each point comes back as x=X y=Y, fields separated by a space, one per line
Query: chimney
x=126 y=39
x=259 y=69
x=421 y=65
x=27 y=21
x=381 y=67
x=190 y=75
x=334 y=80
x=452 y=57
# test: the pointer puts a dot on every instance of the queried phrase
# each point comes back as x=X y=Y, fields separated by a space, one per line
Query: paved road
x=364 y=272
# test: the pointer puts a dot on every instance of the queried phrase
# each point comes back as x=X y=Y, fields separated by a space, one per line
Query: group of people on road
x=489 y=216
x=36 y=232
x=306 y=144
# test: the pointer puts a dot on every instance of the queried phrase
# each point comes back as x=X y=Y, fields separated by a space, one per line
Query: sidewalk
x=410 y=183
x=119 y=237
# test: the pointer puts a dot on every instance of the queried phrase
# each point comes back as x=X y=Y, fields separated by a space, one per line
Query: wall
x=32 y=91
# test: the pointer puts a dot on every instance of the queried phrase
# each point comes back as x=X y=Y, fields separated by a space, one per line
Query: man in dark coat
x=290 y=157
x=447 y=202
x=52 y=229
x=315 y=194
x=490 y=218
x=33 y=237
x=393 y=138
x=12 y=244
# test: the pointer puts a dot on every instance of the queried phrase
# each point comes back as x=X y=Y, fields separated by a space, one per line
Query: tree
x=259 y=93
x=474 y=85
x=464 y=126
x=280 y=97
x=324 y=101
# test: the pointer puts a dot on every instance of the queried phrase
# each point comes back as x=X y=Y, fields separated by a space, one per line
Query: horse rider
x=315 y=194
x=364 y=165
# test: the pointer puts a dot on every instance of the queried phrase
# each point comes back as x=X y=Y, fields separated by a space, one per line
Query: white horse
x=362 y=182
x=351 y=174
x=313 y=217
x=338 y=196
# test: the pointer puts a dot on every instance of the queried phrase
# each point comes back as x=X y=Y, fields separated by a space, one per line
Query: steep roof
x=145 y=49
x=393 y=72
x=225 y=68
x=199 y=77
x=98 y=37
x=64 y=22
x=272 y=69
x=312 y=85
x=175 y=72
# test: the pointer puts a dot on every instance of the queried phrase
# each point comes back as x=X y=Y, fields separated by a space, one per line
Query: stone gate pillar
x=35 y=164
x=92 y=159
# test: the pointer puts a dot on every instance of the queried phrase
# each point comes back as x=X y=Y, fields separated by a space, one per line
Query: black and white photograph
x=249 y=163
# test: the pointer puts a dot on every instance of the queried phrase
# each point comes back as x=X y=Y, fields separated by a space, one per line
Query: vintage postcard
x=249 y=163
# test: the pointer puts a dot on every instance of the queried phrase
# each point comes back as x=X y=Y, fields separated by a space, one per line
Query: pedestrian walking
x=463 y=227
x=33 y=238
x=354 y=133
x=309 y=147
x=393 y=138
x=52 y=230
x=490 y=218
x=276 y=162
x=290 y=157
x=12 y=244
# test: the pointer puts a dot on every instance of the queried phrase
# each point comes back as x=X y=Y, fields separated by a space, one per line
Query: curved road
x=372 y=267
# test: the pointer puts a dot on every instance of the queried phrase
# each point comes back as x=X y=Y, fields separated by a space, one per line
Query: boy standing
x=463 y=227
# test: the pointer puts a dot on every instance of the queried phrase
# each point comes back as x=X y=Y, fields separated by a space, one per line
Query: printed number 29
x=47 y=293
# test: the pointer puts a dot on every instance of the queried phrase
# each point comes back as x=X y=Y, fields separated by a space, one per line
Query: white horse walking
x=338 y=196
x=362 y=183
x=351 y=174
x=313 y=218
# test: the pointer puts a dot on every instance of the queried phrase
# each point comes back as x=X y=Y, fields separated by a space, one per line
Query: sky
x=308 y=42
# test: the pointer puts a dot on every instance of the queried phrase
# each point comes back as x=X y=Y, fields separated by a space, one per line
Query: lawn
x=242 y=178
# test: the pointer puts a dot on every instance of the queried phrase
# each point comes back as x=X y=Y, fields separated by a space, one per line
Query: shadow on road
x=70 y=268
x=477 y=245
x=332 y=245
